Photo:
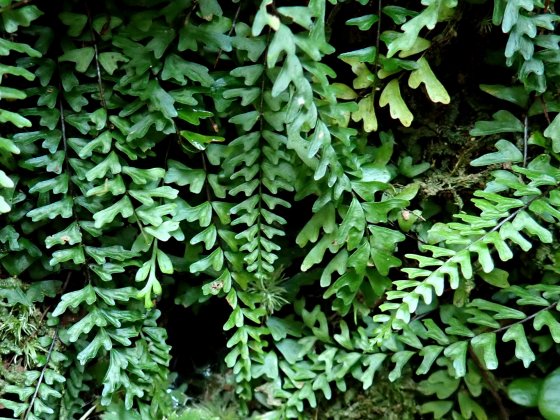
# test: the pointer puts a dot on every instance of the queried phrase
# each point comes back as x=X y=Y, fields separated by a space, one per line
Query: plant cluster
x=159 y=153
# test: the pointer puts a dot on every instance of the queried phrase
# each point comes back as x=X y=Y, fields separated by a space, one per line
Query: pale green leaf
x=424 y=74
x=391 y=96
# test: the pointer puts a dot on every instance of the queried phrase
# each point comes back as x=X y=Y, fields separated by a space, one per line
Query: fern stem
x=63 y=131
x=495 y=228
x=525 y=139
x=96 y=52
x=522 y=321
x=377 y=42
x=233 y=22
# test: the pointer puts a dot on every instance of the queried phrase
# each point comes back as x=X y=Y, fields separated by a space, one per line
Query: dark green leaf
x=507 y=152
x=503 y=122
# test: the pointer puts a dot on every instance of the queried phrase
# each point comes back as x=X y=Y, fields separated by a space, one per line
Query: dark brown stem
x=545 y=109
x=489 y=380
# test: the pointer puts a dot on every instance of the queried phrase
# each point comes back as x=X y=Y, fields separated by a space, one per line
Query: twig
x=504 y=415
x=30 y=408
x=14 y=6
x=87 y=413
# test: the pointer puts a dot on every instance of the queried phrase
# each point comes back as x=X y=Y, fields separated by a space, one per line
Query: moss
x=384 y=400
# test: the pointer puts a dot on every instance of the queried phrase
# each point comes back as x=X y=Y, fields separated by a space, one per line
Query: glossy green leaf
x=200 y=141
x=457 y=352
x=6 y=46
x=546 y=318
x=74 y=299
x=525 y=391
x=548 y=403
x=22 y=16
x=15 y=119
x=485 y=347
x=523 y=350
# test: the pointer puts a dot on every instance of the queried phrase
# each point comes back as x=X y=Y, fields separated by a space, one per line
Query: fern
x=161 y=153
